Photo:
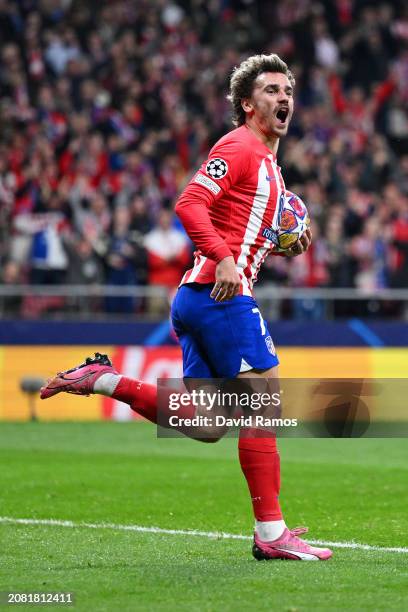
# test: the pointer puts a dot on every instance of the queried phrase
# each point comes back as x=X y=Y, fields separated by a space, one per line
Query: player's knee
x=210 y=434
x=208 y=440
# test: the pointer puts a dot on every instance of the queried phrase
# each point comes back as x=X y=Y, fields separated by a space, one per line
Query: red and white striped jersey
x=231 y=206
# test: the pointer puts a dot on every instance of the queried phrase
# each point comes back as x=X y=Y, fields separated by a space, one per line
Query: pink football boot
x=289 y=546
x=79 y=380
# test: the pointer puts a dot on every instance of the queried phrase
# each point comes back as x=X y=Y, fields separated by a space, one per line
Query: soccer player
x=228 y=209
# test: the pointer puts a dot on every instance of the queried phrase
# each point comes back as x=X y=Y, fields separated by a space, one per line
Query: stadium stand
x=106 y=109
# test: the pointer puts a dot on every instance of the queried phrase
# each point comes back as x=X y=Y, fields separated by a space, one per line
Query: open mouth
x=282 y=114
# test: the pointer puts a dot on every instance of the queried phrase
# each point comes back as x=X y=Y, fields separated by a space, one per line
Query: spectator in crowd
x=47 y=257
x=85 y=266
x=168 y=253
x=120 y=262
x=10 y=276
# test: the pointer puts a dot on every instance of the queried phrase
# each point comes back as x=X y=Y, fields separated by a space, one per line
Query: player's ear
x=247 y=105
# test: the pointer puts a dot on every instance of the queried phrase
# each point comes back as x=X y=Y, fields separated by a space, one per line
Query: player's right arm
x=224 y=167
x=227 y=280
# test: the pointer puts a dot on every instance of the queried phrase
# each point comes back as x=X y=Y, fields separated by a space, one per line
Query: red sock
x=142 y=398
x=260 y=463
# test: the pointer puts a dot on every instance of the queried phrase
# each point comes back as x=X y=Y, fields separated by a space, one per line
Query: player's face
x=271 y=103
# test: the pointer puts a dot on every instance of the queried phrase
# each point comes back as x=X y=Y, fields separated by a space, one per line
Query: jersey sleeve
x=226 y=165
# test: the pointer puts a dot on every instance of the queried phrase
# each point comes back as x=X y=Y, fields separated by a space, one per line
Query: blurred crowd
x=106 y=109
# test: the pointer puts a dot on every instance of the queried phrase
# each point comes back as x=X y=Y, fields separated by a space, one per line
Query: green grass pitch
x=344 y=490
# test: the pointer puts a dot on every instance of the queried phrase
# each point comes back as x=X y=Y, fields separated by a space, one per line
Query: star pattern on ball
x=217 y=168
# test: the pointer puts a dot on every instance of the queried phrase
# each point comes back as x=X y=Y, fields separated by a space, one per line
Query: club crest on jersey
x=269 y=345
x=217 y=168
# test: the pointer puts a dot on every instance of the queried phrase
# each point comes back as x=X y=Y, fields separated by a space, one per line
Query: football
x=293 y=221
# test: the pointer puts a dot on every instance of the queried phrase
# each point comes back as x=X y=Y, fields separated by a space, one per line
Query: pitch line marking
x=188 y=532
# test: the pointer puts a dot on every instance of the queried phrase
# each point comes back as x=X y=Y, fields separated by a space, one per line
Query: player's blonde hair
x=244 y=76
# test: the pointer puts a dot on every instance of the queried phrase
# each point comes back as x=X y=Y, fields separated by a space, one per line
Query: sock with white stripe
x=268 y=531
x=259 y=458
x=106 y=384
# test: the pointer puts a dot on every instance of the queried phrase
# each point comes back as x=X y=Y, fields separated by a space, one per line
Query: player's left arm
x=225 y=166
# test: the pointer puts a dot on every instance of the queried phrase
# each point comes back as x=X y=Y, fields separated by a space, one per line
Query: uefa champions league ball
x=293 y=222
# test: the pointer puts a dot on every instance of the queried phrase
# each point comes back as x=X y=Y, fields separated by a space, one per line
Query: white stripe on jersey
x=246 y=289
x=198 y=264
x=259 y=205
x=258 y=259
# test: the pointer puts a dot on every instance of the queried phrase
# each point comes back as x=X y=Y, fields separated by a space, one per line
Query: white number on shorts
x=261 y=321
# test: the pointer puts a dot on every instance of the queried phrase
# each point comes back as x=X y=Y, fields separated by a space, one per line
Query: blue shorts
x=220 y=339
